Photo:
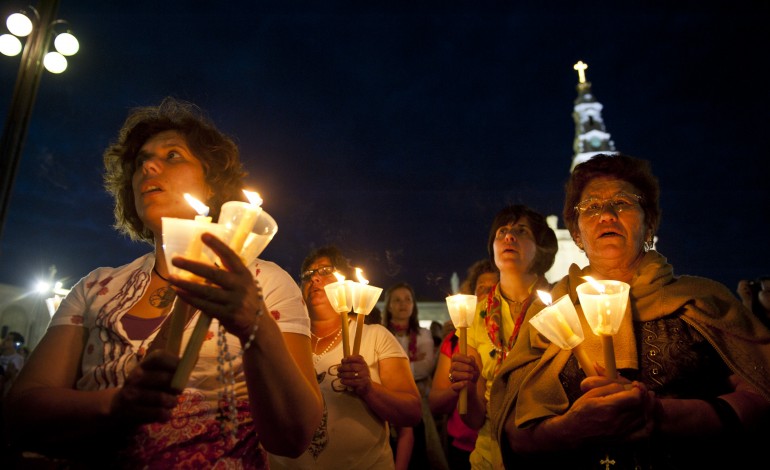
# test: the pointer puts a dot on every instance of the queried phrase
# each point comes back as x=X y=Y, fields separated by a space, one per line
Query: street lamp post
x=24 y=94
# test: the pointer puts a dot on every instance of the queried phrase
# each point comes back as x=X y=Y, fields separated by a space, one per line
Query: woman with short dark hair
x=523 y=247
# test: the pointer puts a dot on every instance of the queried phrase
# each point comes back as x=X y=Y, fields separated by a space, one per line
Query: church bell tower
x=591 y=136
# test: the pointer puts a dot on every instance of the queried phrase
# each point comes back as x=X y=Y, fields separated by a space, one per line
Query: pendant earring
x=648 y=244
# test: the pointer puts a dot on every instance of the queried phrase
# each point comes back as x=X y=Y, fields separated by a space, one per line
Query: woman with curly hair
x=97 y=388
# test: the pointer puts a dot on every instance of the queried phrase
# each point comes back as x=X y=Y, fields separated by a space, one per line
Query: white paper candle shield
x=263 y=231
x=340 y=295
x=559 y=323
x=604 y=304
x=364 y=297
x=462 y=309
x=238 y=218
x=181 y=237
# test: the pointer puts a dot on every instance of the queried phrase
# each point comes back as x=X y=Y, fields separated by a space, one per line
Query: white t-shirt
x=350 y=435
x=99 y=301
x=422 y=369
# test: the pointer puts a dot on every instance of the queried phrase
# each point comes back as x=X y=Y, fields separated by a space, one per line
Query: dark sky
x=397 y=131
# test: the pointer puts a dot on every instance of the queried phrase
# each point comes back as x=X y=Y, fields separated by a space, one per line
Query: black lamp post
x=24 y=94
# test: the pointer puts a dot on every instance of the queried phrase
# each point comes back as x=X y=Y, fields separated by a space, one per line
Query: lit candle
x=338 y=294
x=604 y=304
x=364 y=298
x=195 y=247
x=462 y=309
x=557 y=319
x=201 y=208
x=239 y=218
x=601 y=307
x=193 y=251
x=200 y=330
x=552 y=322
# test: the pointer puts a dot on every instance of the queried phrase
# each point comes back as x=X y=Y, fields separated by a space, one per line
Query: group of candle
x=360 y=297
x=604 y=304
x=235 y=226
x=182 y=237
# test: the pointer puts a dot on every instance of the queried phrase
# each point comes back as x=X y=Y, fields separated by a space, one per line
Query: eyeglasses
x=322 y=271
x=620 y=202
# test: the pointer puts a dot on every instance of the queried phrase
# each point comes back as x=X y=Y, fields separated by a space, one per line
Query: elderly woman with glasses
x=362 y=392
x=693 y=389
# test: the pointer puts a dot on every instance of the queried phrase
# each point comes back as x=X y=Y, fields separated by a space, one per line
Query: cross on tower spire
x=581 y=70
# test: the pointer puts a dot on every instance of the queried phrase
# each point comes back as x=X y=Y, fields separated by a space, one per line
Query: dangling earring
x=648 y=245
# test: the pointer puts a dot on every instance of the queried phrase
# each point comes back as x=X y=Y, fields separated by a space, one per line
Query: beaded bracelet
x=253 y=334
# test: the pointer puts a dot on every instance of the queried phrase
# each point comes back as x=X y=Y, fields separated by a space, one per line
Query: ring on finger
x=451 y=379
x=355 y=375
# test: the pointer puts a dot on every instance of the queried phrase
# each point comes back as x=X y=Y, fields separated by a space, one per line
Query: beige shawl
x=528 y=384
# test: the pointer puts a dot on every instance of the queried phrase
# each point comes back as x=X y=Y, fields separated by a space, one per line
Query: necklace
x=493 y=321
x=155 y=269
x=321 y=338
x=399 y=330
x=317 y=357
x=162 y=297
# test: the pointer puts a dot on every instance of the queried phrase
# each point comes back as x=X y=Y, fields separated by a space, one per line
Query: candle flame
x=599 y=287
x=200 y=208
x=253 y=197
x=339 y=276
x=360 y=276
x=545 y=297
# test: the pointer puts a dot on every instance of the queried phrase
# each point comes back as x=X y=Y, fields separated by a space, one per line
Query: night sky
x=398 y=131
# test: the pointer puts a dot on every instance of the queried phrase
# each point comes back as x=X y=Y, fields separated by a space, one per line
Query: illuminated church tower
x=591 y=137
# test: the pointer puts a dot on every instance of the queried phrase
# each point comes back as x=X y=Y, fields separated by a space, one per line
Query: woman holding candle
x=693 y=392
x=362 y=392
x=97 y=388
x=402 y=319
x=483 y=276
x=523 y=247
